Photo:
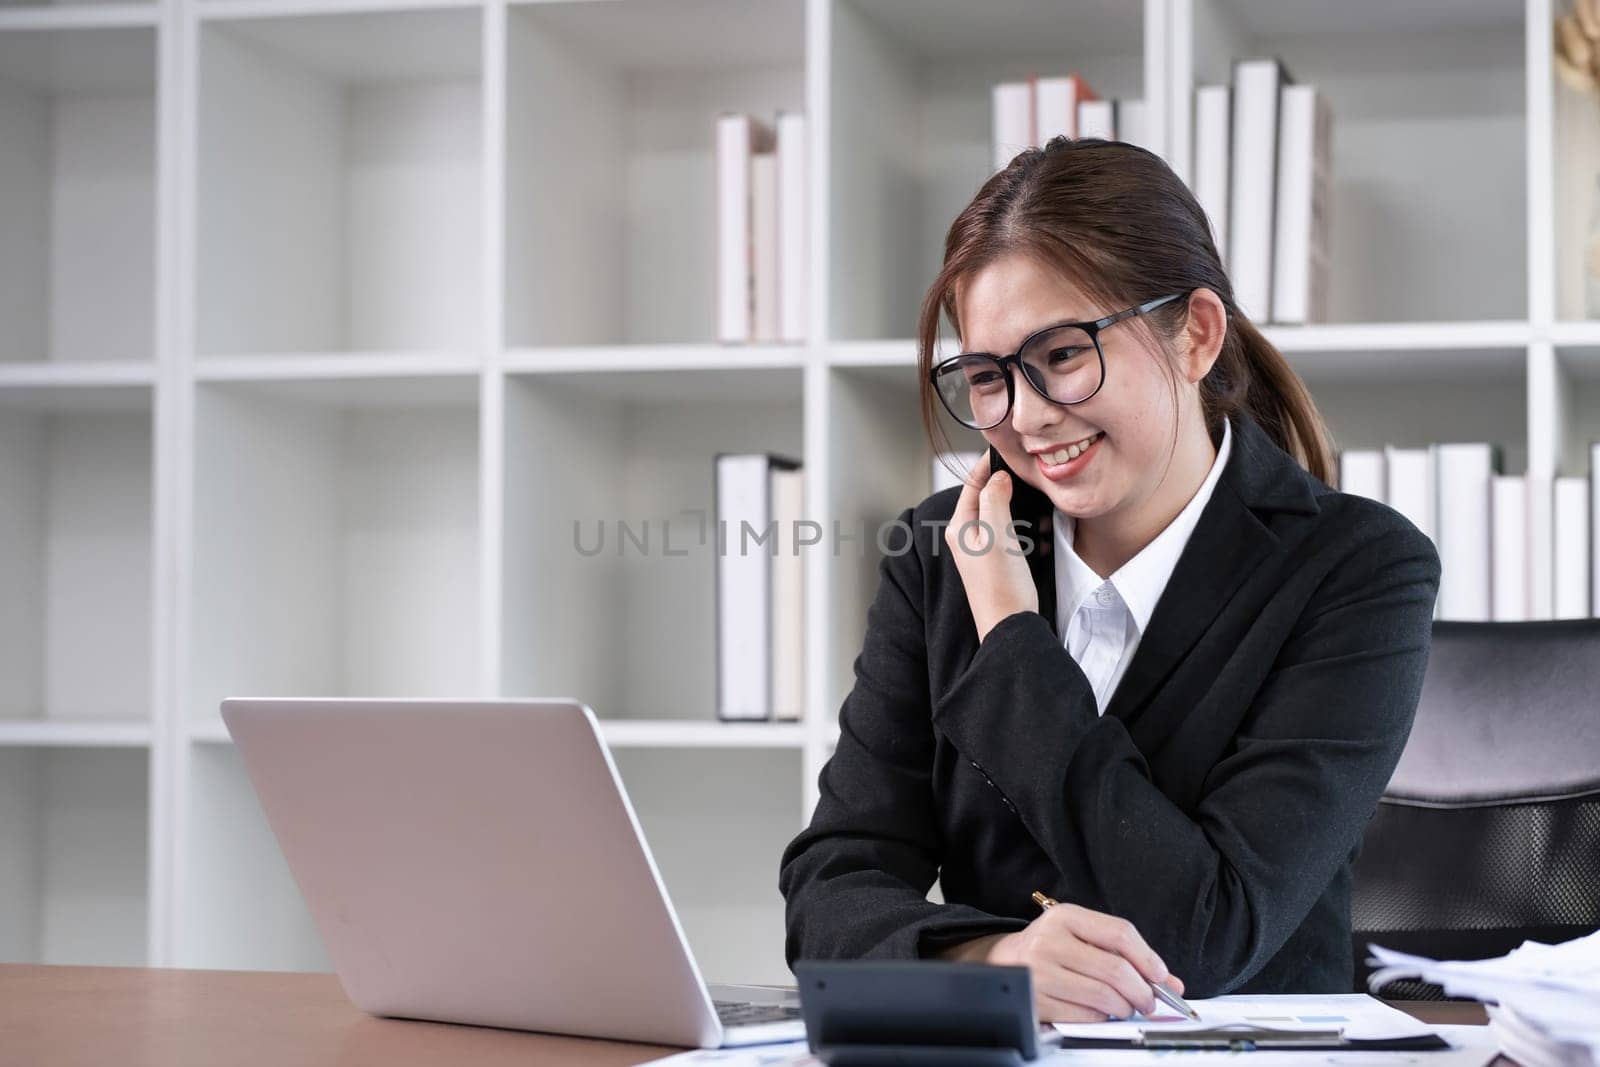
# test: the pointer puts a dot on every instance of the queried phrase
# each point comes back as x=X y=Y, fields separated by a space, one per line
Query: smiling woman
x=1168 y=682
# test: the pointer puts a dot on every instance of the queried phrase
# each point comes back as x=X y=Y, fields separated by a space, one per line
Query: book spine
x=1464 y=471
x=1572 y=533
x=1298 y=242
x=1509 y=548
x=793 y=213
x=734 y=251
x=1255 y=158
x=788 y=596
x=743 y=593
x=1361 y=472
x=1013 y=120
x=764 y=243
x=1212 y=136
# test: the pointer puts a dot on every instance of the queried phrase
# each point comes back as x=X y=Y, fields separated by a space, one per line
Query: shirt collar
x=1141 y=580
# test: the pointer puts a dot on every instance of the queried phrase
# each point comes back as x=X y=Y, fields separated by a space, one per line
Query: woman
x=1163 y=680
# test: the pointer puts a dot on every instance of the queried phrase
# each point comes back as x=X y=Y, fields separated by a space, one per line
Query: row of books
x=1261 y=171
x=761 y=227
x=760 y=587
x=1028 y=113
x=1262 y=149
x=1512 y=547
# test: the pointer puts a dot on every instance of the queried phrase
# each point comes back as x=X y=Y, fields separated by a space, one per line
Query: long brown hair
x=1115 y=219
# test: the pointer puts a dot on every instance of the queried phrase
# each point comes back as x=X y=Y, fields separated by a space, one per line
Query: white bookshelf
x=321 y=321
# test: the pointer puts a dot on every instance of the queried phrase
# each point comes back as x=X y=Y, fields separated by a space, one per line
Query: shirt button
x=1106 y=596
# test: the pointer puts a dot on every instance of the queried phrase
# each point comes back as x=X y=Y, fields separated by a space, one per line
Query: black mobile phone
x=1027 y=503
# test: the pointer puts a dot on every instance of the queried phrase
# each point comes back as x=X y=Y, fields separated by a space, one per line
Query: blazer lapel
x=1228 y=543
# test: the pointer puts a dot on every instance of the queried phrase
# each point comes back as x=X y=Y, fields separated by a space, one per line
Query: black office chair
x=1488 y=834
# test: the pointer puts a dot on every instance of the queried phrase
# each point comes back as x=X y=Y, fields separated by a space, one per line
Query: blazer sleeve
x=855 y=881
x=1216 y=890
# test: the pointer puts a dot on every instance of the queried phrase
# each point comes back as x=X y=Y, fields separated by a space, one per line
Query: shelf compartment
x=335 y=540
x=873 y=411
x=630 y=632
x=610 y=158
x=1414 y=100
x=240 y=908
x=910 y=129
x=76 y=560
x=1578 y=367
x=717 y=826
x=1412 y=406
x=77 y=192
x=75 y=832
x=339 y=195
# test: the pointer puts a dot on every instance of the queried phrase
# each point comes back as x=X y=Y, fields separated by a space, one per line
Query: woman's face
x=1132 y=412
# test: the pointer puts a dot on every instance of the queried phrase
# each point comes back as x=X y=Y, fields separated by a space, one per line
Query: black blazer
x=1219 y=802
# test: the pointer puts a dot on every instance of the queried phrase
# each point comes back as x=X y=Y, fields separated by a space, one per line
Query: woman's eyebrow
x=1067 y=321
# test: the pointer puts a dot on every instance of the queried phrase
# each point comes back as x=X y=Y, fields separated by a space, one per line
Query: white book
x=1133 y=126
x=1509 y=547
x=1055 y=104
x=1409 y=474
x=1572 y=574
x=792 y=236
x=1213 y=126
x=1594 y=524
x=739 y=138
x=1462 y=472
x=1097 y=118
x=1361 y=472
x=944 y=477
x=743 y=509
x=1540 y=503
x=788 y=596
x=764 y=241
x=1300 y=242
x=1256 y=87
x=1410 y=490
x=1013 y=120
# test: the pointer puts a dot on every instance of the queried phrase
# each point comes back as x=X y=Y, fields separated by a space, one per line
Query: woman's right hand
x=1086 y=965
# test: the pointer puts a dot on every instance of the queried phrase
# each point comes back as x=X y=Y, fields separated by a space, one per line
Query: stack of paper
x=1545 y=998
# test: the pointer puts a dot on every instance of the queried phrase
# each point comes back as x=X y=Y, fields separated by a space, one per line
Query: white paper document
x=787 y=1054
x=1356 y=1015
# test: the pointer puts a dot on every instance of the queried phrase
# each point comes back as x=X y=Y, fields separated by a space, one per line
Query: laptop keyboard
x=744 y=1013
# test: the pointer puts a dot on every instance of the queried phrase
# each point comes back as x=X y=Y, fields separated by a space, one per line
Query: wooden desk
x=133 y=1017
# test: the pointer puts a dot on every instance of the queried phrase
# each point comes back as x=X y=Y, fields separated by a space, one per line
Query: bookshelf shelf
x=647 y=734
x=77 y=219
x=335 y=366
x=323 y=321
x=907 y=92
x=339 y=173
x=78 y=16
x=76 y=557
x=1415 y=95
x=610 y=224
x=21 y=379
x=587 y=607
x=44 y=733
x=335 y=539
x=76 y=871
x=601 y=359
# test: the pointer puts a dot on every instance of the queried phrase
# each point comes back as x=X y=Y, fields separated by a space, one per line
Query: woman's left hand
x=986 y=549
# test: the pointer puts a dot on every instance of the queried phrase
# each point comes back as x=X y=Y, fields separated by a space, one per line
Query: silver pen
x=1163 y=994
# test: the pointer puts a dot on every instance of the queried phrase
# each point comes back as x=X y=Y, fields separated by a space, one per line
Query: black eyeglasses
x=1064 y=363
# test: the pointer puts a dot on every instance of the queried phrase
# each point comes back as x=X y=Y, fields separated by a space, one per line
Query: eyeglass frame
x=1091 y=328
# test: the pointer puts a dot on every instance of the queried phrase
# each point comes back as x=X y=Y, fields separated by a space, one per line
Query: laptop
x=479 y=862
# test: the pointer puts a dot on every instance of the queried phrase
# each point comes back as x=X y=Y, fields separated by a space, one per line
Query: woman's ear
x=1204 y=331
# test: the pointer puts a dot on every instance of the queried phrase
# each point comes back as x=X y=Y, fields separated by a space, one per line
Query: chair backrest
x=1488 y=834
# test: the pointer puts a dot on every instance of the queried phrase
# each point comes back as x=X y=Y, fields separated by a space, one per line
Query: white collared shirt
x=1103 y=620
